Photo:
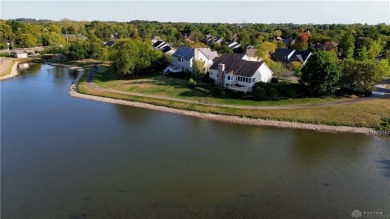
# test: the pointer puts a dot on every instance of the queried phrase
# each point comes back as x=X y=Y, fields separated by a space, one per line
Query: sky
x=299 y=12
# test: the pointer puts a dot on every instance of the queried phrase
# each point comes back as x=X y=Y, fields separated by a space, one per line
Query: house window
x=211 y=74
x=182 y=60
x=179 y=59
x=253 y=79
x=228 y=78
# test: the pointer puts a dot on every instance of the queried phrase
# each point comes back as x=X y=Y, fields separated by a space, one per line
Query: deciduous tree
x=321 y=73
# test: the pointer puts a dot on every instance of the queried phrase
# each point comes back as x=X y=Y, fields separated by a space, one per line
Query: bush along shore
x=73 y=91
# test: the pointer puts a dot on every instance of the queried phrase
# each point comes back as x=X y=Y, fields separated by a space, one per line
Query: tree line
x=351 y=49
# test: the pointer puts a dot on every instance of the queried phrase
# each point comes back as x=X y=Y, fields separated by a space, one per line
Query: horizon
x=184 y=22
x=251 y=12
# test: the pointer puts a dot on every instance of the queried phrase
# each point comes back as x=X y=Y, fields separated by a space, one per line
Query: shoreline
x=13 y=73
x=221 y=118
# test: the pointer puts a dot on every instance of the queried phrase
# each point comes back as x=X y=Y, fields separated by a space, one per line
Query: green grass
x=361 y=114
x=167 y=86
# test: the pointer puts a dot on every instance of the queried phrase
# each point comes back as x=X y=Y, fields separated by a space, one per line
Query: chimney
x=221 y=70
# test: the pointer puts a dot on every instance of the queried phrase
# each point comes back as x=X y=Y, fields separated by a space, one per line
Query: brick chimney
x=221 y=70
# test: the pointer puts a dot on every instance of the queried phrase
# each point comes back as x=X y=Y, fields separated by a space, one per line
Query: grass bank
x=368 y=113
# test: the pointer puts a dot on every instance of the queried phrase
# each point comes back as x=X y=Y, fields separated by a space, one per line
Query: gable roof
x=166 y=49
x=236 y=65
x=158 y=43
x=244 y=68
x=227 y=59
x=184 y=52
x=300 y=56
x=210 y=54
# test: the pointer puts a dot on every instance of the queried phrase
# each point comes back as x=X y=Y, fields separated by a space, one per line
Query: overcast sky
x=300 y=12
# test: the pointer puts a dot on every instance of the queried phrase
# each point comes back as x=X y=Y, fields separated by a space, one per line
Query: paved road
x=341 y=102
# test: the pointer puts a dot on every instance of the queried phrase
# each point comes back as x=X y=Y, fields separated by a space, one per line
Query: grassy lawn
x=362 y=114
x=168 y=86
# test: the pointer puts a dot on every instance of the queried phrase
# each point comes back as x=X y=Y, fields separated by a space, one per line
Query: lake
x=64 y=157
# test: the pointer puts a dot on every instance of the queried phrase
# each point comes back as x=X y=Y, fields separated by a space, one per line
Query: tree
x=130 y=57
x=123 y=57
x=296 y=67
x=77 y=50
x=197 y=69
x=27 y=40
x=321 y=73
x=277 y=68
x=52 y=39
x=265 y=49
x=375 y=49
x=347 y=45
x=302 y=41
x=277 y=33
x=364 y=74
x=362 y=54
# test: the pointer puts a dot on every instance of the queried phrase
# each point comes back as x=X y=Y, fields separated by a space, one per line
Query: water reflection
x=385 y=166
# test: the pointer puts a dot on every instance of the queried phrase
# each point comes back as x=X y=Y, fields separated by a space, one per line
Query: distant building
x=290 y=55
x=21 y=55
x=163 y=46
x=110 y=43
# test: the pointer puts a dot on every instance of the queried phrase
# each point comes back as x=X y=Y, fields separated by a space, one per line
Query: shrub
x=259 y=93
x=273 y=92
x=192 y=83
x=290 y=92
x=218 y=90
x=274 y=80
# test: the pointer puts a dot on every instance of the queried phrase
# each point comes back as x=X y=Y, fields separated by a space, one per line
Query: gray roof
x=235 y=64
x=210 y=54
x=300 y=56
x=184 y=52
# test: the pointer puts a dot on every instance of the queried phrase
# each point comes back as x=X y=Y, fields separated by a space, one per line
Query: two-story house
x=184 y=57
x=237 y=72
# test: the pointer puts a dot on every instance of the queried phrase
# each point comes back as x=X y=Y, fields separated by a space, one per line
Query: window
x=211 y=73
x=228 y=78
x=253 y=79
x=178 y=59
x=182 y=60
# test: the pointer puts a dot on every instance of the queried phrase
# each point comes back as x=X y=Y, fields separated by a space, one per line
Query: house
x=211 y=40
x=183 y=58
x=283 y=55
x=20 y=55
x=301 y=56
x=110 y=43
x=163 y=46
x=236 y=72
x=290 y=55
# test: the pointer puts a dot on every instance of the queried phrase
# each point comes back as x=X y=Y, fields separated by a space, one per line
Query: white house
x=183 y=58
x=237 y=72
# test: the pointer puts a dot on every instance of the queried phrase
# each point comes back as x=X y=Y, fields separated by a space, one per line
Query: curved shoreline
x=13 y=73
x=222 y=118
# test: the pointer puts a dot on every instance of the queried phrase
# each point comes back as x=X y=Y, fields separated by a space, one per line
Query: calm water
x=63 y=157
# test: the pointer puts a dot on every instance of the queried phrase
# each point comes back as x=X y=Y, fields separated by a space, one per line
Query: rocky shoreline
x=222 y=118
